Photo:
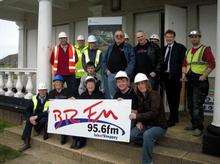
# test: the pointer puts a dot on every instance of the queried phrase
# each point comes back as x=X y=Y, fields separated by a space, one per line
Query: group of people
x=124 y=72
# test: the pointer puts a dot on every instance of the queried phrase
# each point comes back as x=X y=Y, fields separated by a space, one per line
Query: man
x=80 y=47
x=90 y=69
x=148 y=59
x=63 y=60
x=172 y=70
x=38 y=116
x=155 y=39
x=59 y=92
x=119 y=56
x=92 y=54
x=199 y=63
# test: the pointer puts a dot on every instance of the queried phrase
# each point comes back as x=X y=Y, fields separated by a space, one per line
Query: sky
x=9 y=36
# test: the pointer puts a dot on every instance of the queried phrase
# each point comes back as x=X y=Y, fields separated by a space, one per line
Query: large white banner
x=100 y=119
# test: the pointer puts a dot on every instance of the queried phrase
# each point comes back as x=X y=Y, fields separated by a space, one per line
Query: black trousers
x=196 y=95
x=72 y=84
x=41 y=125
x=172 y=86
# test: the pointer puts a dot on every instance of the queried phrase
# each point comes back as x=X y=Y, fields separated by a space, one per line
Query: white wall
x=147 y=22
x=208 y=26
x=81 y=27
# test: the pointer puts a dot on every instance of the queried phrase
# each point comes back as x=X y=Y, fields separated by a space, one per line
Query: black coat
x=176 y=60
x=95 y=95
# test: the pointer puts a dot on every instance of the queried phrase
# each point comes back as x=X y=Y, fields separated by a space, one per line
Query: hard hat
x=121 y=74
x=155 y=36
x=126 y=36
x=58 y=78
x=140 y=77
x=42 y=86
x=80 y=37
x=92 y=38
x=194 y=32
x=90 y=78
x=62 y=35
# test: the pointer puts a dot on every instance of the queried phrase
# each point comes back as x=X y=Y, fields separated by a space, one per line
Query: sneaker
x=197 y=133
x=189 y=127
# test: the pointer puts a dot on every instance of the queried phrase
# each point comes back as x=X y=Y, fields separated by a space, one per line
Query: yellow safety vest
x=46 y=105
x=195 y=62
x=97 y=57
x=80 y=72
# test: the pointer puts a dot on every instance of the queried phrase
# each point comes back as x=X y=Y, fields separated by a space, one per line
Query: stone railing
x=21 y=79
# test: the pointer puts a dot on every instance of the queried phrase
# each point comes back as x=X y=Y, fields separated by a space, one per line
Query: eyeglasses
x=119 y=36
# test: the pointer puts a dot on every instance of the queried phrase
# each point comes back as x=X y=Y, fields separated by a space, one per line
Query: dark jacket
x=176 y=59
x=148 y=58
x=129 y=54
x=95 y=95
x=64 y=94
x=151 y=110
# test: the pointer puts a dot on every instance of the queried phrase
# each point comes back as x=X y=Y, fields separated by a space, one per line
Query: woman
x=150 y=117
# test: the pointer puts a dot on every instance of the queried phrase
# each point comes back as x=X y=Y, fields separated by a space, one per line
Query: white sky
x=9 y=36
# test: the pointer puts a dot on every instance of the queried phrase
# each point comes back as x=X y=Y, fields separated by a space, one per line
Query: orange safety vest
x=72 y=59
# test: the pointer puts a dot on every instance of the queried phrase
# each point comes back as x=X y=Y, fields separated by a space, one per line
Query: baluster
x=19 y=86
x=2 y=92
x=9 y=85
x=29 y=87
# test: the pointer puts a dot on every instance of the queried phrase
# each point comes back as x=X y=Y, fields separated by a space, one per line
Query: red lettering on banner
x=67 y=114
x=103 y=112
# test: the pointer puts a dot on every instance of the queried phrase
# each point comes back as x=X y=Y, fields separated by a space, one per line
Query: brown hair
x=169 y=31
x=148 y=88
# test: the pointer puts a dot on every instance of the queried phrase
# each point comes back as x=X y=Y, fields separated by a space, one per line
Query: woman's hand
x=72 y=98
x=140 y=126
x=132 y=116
x=119 y=99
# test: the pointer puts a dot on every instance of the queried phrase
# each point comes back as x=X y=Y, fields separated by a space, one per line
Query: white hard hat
x=194 y=32
x=126 y=36
x=90 y=78
x=62 y=35
x=155 y=36
x=80 y=37
x=92 y=38
x=42 y=86
x=140 y=77
x=121 y=74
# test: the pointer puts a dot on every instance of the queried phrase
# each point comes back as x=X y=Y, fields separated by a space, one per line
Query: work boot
x=25 y=146
x=45 y=136
x=197 y=132
x=63 y=139
x=80 y=144
x=189 y=127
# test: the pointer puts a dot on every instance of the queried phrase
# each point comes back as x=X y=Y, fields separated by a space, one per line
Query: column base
x=211 y=141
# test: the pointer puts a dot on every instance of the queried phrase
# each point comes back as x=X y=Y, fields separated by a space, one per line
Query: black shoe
x=73 y=145
x=170 y=124
x=63 y=139
x=79 y=144
x=45 y=136
x=24 y=147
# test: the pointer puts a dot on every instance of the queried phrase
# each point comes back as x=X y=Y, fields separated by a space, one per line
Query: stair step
x=99 y=151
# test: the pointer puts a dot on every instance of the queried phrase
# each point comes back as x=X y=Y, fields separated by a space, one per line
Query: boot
x=26 y=145
x=63 y=139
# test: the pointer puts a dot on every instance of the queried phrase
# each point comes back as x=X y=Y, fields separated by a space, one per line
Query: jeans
x=111 y=85
x=146 y=138
x=196 y=94
x=72 y=84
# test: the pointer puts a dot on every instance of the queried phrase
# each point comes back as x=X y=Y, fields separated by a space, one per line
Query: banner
x=100 y=119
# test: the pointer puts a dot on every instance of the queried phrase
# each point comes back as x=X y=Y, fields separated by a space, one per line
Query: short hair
x=169 y=31
x=120 y=31
x=90 y=64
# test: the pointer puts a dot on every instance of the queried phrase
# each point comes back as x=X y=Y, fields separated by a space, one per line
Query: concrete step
x=99 y=151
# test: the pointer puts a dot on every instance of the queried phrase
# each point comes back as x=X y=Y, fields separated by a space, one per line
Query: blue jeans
x=146 y=138
x=111 y=85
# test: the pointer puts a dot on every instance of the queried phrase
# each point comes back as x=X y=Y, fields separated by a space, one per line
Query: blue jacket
x=129 y=54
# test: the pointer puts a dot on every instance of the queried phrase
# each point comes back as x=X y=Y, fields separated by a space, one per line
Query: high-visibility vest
x=46 y=105
x=195 y=62
x=97 y=56
x=80 y=72
x=72 y=59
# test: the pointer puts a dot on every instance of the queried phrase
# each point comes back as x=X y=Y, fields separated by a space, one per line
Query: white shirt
x=167 y=49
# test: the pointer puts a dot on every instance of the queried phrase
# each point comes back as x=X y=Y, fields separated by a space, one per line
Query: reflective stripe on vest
x=72 y=59
x=97 y=57
x=195 y=62
x=46 y=105
x=80 y=72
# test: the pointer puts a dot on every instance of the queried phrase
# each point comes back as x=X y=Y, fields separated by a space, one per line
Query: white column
x=9 y=85
x=2 y=92
x=19 y=85
x=22 y=48
x=44 y=41
x=29 y=86
x=216 y=115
